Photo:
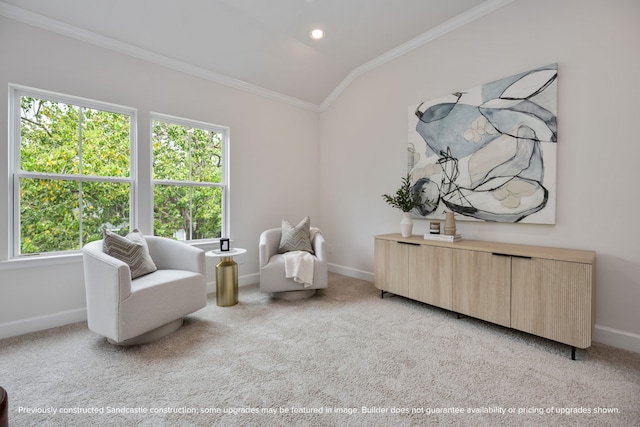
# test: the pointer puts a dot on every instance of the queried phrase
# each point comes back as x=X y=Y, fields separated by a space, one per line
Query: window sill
x=41 y=261
x=76 y=257
x=205 y=245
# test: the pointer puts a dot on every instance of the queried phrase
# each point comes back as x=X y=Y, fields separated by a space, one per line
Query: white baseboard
x=351 y=272
x=247 y=279
x=40 y=323
x=602 y=334
x=53 y=320
x=617 y=338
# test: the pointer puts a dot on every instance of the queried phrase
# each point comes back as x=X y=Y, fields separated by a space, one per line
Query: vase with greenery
x=406 y=199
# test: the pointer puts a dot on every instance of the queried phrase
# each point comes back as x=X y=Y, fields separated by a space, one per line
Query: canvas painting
x=488 y=153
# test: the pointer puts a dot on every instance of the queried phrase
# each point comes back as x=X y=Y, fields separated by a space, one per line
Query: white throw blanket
x=298 y=265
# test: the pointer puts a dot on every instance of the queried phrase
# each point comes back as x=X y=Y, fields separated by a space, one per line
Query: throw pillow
x=131 y=249
x=296 y=238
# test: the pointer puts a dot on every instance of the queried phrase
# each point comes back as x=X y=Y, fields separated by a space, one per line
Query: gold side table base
x=226 y=282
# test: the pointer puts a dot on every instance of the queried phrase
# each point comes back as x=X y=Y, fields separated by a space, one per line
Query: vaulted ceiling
x=258 y=45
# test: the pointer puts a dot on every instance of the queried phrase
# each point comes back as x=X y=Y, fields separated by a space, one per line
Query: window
x=72 y=171
x=189 y=178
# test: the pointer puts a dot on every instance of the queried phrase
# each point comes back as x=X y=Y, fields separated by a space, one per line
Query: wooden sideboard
x=544 y=291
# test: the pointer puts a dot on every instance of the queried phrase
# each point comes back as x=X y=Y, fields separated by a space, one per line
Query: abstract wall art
x=488 y=153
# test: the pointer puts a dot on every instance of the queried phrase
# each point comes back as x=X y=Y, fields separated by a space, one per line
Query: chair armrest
x=107 y=278
x=319 y=246
x=268 y=245
x=168 y=254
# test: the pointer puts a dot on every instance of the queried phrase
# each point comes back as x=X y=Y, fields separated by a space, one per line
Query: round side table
x=226 y=276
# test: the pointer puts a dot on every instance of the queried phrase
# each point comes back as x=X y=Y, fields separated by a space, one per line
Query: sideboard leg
x=573 y=353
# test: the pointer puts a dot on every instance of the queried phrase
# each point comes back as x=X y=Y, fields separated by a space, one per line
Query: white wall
x=274 y=167
x=334 y=166
x=595 y=43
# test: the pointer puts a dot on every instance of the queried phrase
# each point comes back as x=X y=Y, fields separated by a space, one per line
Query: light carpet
x=344 y=357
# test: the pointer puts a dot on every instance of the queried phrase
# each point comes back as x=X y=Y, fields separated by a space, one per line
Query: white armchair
x=129 y=312
x=272 y=267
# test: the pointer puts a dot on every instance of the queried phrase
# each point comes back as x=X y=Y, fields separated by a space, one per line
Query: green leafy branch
x=406 y=197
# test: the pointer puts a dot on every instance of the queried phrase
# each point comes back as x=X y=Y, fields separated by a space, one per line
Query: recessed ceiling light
x=317 y=34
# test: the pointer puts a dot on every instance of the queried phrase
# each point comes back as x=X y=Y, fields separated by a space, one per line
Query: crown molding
x=431 y=35
x=49 y=24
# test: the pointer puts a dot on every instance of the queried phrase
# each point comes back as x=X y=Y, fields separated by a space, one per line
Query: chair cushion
x=159 y=298
x=296 y=238
x=272 y=276
x=131 y=249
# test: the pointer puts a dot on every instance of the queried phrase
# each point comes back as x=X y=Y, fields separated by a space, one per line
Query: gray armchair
x=272 y=267
x=134 y=311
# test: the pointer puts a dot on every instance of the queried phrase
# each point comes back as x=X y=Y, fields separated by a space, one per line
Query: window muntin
x=72 y=171
x=189 y=178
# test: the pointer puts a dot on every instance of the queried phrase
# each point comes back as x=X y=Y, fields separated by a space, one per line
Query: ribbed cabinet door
x=391 y=266
x=430 y=275
x=553 y=299
x=482 y=285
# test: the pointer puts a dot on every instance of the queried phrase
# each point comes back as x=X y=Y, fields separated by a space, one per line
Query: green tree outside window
x=61 y=145
x=188 y=180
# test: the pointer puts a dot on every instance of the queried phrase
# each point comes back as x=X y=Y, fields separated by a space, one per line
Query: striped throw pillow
x=296 y=238
x=131 y=249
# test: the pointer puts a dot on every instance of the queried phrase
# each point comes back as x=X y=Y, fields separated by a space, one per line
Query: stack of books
x=443 y=237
